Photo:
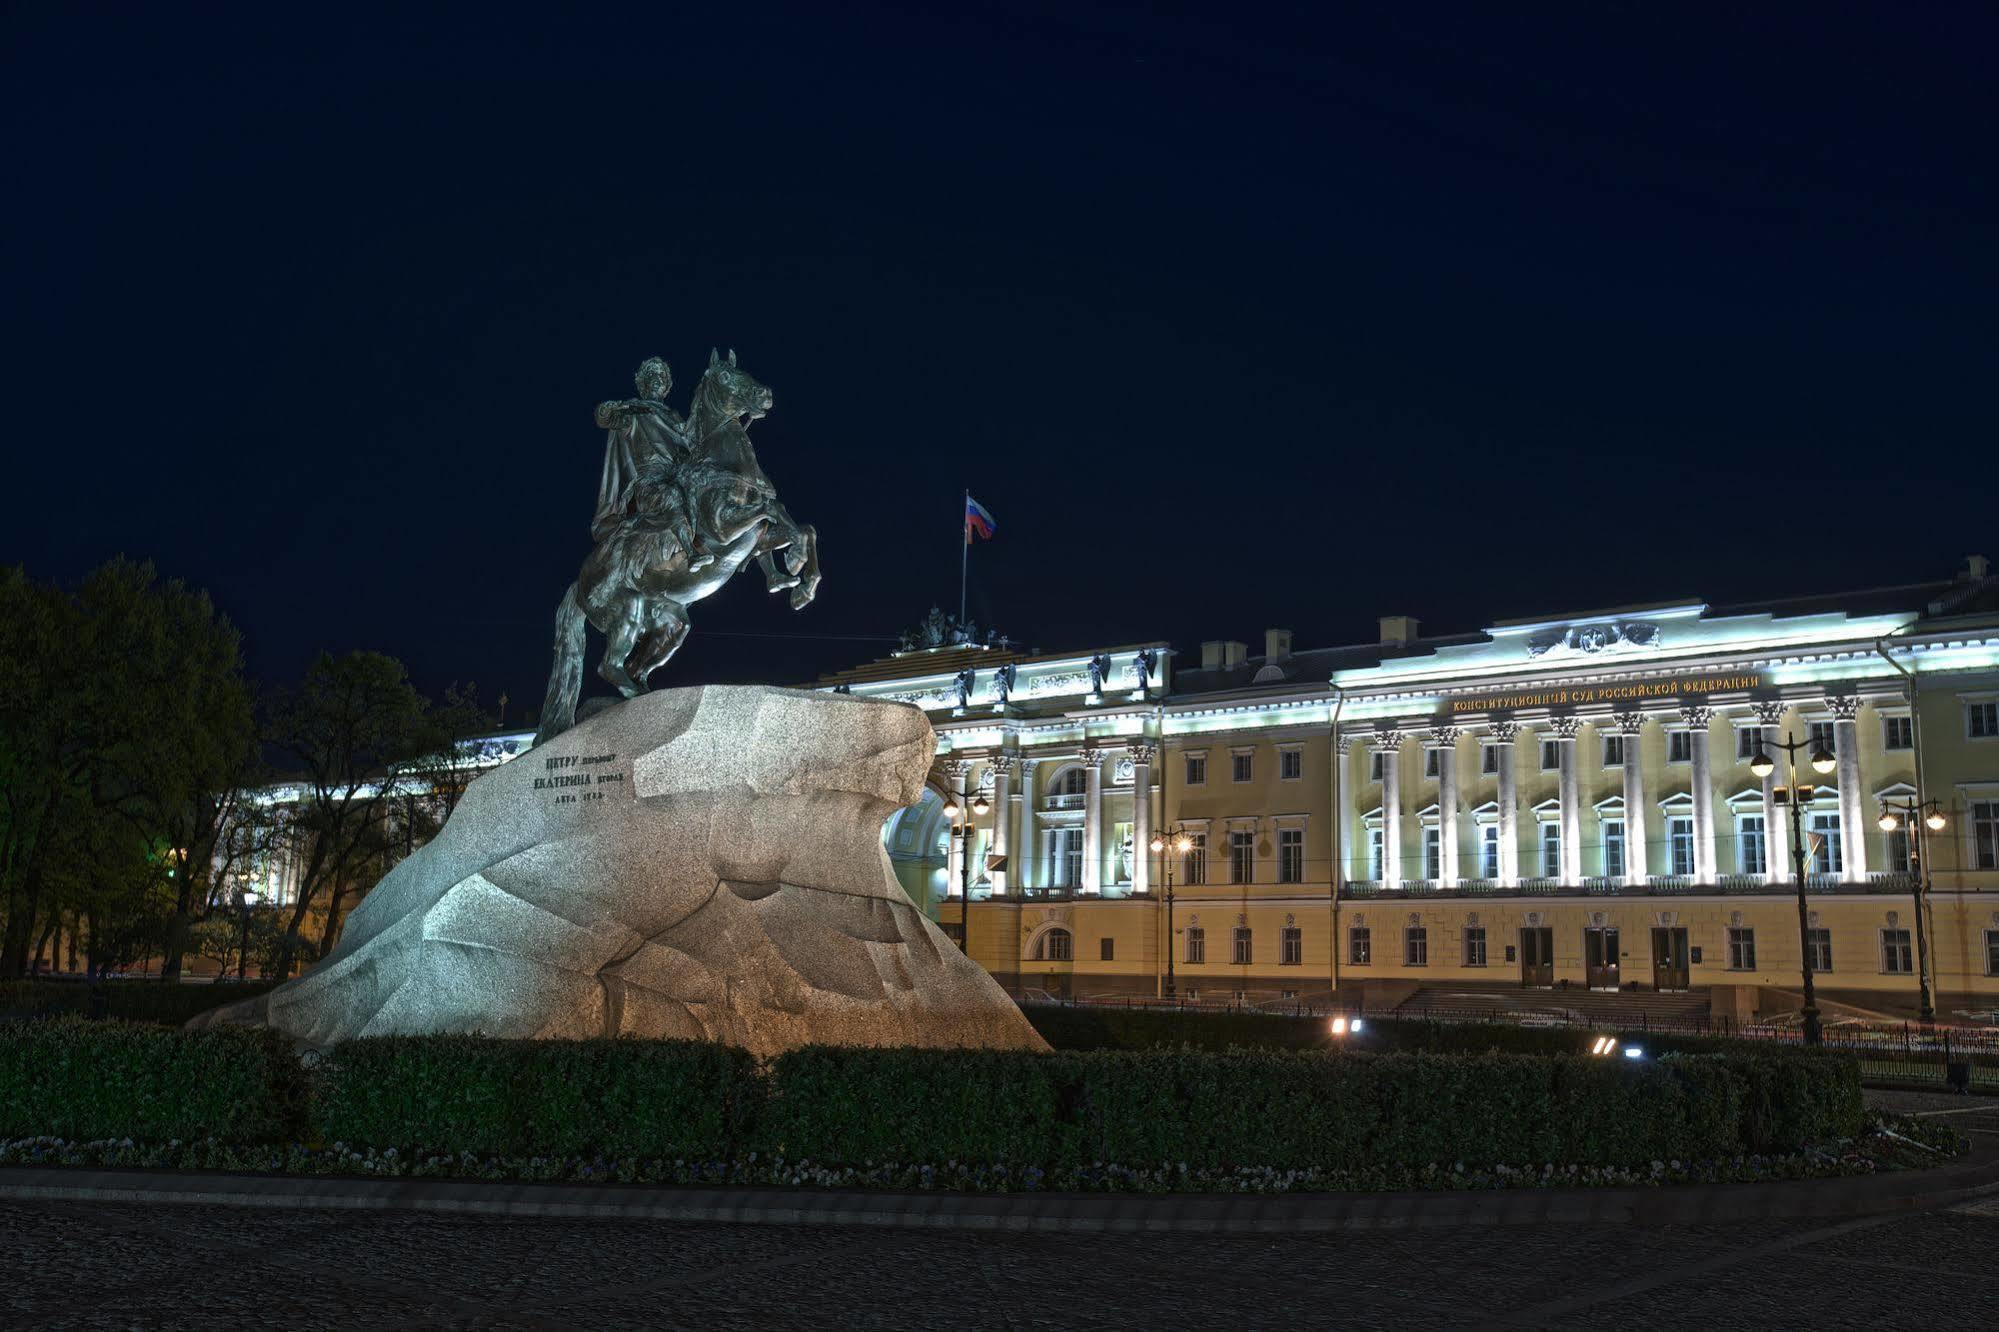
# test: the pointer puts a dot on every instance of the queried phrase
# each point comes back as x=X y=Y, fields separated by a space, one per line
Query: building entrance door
x=1669 y=958
x=1537 y=955
x=1600 y=957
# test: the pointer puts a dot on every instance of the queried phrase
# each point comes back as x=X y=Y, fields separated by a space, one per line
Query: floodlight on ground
x=1354 y=1025
x=1339 y=1026
x=1633 y=1052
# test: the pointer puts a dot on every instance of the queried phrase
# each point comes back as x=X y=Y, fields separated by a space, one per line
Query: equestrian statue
x=682 y=506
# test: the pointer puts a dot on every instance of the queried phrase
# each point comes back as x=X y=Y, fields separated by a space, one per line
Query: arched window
x=1073 y=782
x=1057 y=945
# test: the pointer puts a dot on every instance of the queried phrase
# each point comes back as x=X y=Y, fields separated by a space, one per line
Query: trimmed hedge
x=533 y=1098
x=625 y=1099
x=1102 y=1028
x=71 y=1078
x=172 y=1003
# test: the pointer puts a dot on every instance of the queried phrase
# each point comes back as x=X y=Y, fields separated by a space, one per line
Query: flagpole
x=964 y=555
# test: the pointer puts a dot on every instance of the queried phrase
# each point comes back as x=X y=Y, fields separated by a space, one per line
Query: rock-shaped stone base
x=703 y=863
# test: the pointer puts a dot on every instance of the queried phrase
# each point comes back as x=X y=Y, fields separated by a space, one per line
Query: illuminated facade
x=1567 y=802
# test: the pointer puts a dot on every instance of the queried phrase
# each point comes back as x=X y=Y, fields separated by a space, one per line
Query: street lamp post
x=1933 y=820
x=249 y=897
x=1796 y=796
x=961 y=832
x=1178 y=839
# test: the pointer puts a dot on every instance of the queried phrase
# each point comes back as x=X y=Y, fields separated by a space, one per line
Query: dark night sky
x=1233 y=316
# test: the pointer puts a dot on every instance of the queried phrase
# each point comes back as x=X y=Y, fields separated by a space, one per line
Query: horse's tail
x=565 y=682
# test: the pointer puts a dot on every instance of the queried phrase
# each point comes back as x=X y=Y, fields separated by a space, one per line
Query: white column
x=1637 y=863
x=1444 y=739
x=1093 y=820
x=1507 y=733
x=1389 y=745
x=1141 y=815
x=955 y=773
x=1697 y=719
x=1033 y=870
x=1776 y=818
x=1852 y=816
x=1002 y=817
x=1571 y=793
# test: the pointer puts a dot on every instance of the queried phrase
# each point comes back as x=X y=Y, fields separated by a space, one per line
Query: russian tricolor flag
x=977 y=520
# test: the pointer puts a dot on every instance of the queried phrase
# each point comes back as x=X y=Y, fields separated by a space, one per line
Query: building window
x=1898 y=733
x=1748 y=742
x=1290 y=764
x=1551 y=850
x=1827 y=859
x=1239 y=945
x=1074 y=783
x=1679 y=746
x=1474 y=945
x=1432 y=759
x=1374 y=758
x=1242 y=857
x=1818 y=948
x=1360 y=946
x=1292 y=947
x=1551 y=755
x=1197 y=770
x=1897 y=957
x=1374 y=854
x=1751 y=854
x=1981 y=719
x=1824 y=737
x=1613 y=751
x=1433 y=853
x=1415 y=947
x=1680 y=842
x=1291 y=855
x=1197 y=945
x=1901 y=852
x=1065 y=851
x=1741 y=949
x=1194 y=864
x=1992 y=952
x=1613 y=848
x=1107 y=950
x=1054 y=946
x=1985 y=834
x=1489 y=851
x=1242 y=766
x=1488 y=759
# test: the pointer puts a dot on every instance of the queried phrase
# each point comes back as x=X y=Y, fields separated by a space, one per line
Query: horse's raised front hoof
x=802 y=595
x=779 y=584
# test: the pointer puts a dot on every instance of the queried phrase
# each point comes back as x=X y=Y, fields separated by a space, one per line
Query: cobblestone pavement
x=141 y=1266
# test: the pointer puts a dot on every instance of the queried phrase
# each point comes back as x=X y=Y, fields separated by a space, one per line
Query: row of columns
x=1012 y=810
x=1565 y=732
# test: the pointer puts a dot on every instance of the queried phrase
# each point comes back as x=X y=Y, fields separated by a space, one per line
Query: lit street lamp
x=1796 y=796
x=249 y=898
x=961 y=831
x=1903 y=814
x=1177 y=838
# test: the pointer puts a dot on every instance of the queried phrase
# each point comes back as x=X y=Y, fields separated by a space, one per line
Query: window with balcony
x=1433 y=853
x=1239 y=946
x=1897 y=954
x=1901 y=851
x=1242 y=857
x=1680 y=843
x=1292 y=947
x=1613 y=848
x=1415 y=947
x=1360 y=946
x=1197 y=945
x=1474 y=945
x=1489 y=851
x=1898 y=733
x=1374 y=861
x=1291 y=855
x=1551 y=850
x=1741 y=948
x=1065 y=857
x=1827 y=859
x=1751 y=852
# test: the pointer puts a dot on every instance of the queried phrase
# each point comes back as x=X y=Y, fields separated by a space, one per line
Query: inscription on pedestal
x=576 y=778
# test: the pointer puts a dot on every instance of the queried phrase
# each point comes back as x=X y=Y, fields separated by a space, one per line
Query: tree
x=357 y=733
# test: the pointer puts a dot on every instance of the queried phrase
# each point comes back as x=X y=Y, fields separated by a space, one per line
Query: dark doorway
x=1537 y=956
x=1669 y=958
x=1600 y=957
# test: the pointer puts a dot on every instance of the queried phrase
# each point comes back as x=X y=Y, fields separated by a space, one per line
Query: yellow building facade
x=1571 y=802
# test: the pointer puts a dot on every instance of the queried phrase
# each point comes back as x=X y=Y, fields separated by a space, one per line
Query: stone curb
x=1199 y=1213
